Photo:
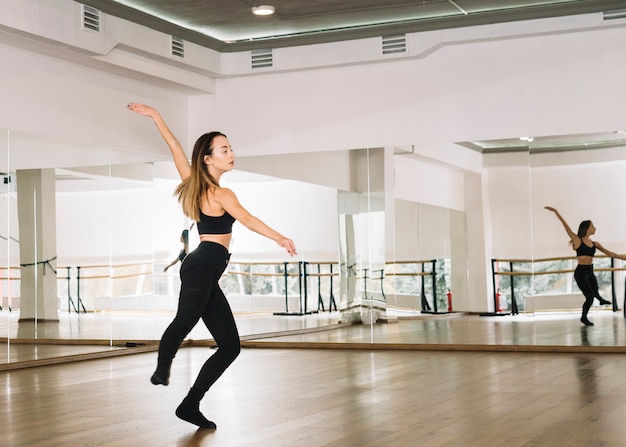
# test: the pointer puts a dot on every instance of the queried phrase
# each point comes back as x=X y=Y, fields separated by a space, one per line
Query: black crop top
x=585 y=250
x=215 y=225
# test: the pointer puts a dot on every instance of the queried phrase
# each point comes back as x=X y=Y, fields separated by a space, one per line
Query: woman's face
x=223 y=158
x=591 y=230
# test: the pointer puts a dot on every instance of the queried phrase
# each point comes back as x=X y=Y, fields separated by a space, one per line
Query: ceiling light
x=263 y=10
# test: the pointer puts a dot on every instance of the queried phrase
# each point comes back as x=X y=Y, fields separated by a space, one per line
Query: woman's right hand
x=142 y=109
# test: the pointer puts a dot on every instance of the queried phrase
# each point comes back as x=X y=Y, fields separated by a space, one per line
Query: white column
x=37 y=228
x=480 y=292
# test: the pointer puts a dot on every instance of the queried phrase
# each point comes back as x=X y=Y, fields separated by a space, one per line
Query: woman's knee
x=230 y=349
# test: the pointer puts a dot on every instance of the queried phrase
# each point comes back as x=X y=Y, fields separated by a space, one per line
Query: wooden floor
x=562 y=384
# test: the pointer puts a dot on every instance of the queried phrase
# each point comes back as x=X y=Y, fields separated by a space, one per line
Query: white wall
x=579 y=192
x=509 y=204
x=535 y=85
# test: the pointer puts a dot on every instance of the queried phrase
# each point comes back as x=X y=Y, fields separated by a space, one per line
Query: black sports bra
x=585 y=250
x=215 y=225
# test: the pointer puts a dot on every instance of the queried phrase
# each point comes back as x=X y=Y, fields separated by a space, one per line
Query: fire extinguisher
x=449 y=295
x=498 y=301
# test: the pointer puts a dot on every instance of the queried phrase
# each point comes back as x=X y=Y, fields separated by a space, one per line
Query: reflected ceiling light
x=263 y=10
x=529 y=139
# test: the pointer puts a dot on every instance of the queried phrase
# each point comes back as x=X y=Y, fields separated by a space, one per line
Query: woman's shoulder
x=221 y=193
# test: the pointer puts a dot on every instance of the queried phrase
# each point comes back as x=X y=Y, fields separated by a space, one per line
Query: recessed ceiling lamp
x=263 y=10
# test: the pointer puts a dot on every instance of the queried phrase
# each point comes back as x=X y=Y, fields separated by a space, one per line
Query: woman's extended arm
x=573 y=236
x=229 y=202
x=178 y=154
x=171 y=264
x=609 y=252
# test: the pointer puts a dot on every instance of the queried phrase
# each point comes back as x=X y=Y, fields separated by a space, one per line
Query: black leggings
x=588 y=285
x=201 y=297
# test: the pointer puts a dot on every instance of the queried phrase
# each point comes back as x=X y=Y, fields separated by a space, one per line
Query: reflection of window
x=411 y=277
x=261 y=279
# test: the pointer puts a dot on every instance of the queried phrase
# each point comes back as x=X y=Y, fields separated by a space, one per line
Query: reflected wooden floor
x=79 y=336
x=535 y=332
x=444 y=380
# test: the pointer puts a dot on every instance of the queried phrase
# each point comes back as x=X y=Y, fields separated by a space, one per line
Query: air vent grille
x=178 y=47
x=262 y=58
x=91 y=18
x=394 y=44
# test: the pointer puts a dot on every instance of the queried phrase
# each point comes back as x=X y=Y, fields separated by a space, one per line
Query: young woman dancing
x=215 y=209
x=585 y=250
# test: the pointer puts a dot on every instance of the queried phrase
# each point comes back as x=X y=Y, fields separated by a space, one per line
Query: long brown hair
x=191 y=190
x=582 y=230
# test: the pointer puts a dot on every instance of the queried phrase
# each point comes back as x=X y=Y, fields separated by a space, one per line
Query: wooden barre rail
x=303 y=272
x=553 y=272
x=530 y=261
x=282 y=275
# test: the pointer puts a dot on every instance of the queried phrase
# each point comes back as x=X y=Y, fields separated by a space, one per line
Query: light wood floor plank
x=373 y=397
x=326 y=398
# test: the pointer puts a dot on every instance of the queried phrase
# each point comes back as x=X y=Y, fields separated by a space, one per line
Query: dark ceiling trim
x=474 y=19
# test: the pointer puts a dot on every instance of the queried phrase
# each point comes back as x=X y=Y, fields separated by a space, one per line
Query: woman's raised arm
x=178 y=153
x=573 y=236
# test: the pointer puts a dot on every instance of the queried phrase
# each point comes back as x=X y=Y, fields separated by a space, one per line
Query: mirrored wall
x=78 y=238
x=582 y=176
x=90 y=246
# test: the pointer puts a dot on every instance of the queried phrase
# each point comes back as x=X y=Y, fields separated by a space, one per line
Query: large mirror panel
x=361 y=257
x=269 y=290
x=386 y=249
x=69 y=211
x=418 y=267
x=133 y=211
x=507 y=230
x=428 y=242
x=582 y=177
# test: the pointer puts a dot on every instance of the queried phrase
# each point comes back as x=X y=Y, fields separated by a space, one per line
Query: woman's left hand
x=288 y=245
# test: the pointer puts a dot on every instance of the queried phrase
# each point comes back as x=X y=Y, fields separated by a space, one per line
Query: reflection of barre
x=551 y=272
x=10 y=237
x=528 y=261
x=411 y=274
x=425 y=261
x=46 y=262
x=230 y=272
x=350 y=268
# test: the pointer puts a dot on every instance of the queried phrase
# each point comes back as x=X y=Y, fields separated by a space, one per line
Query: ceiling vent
x=615 y=14
x=178 y=47
x=91 y=18
x=262 y=58
x=394 y=44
